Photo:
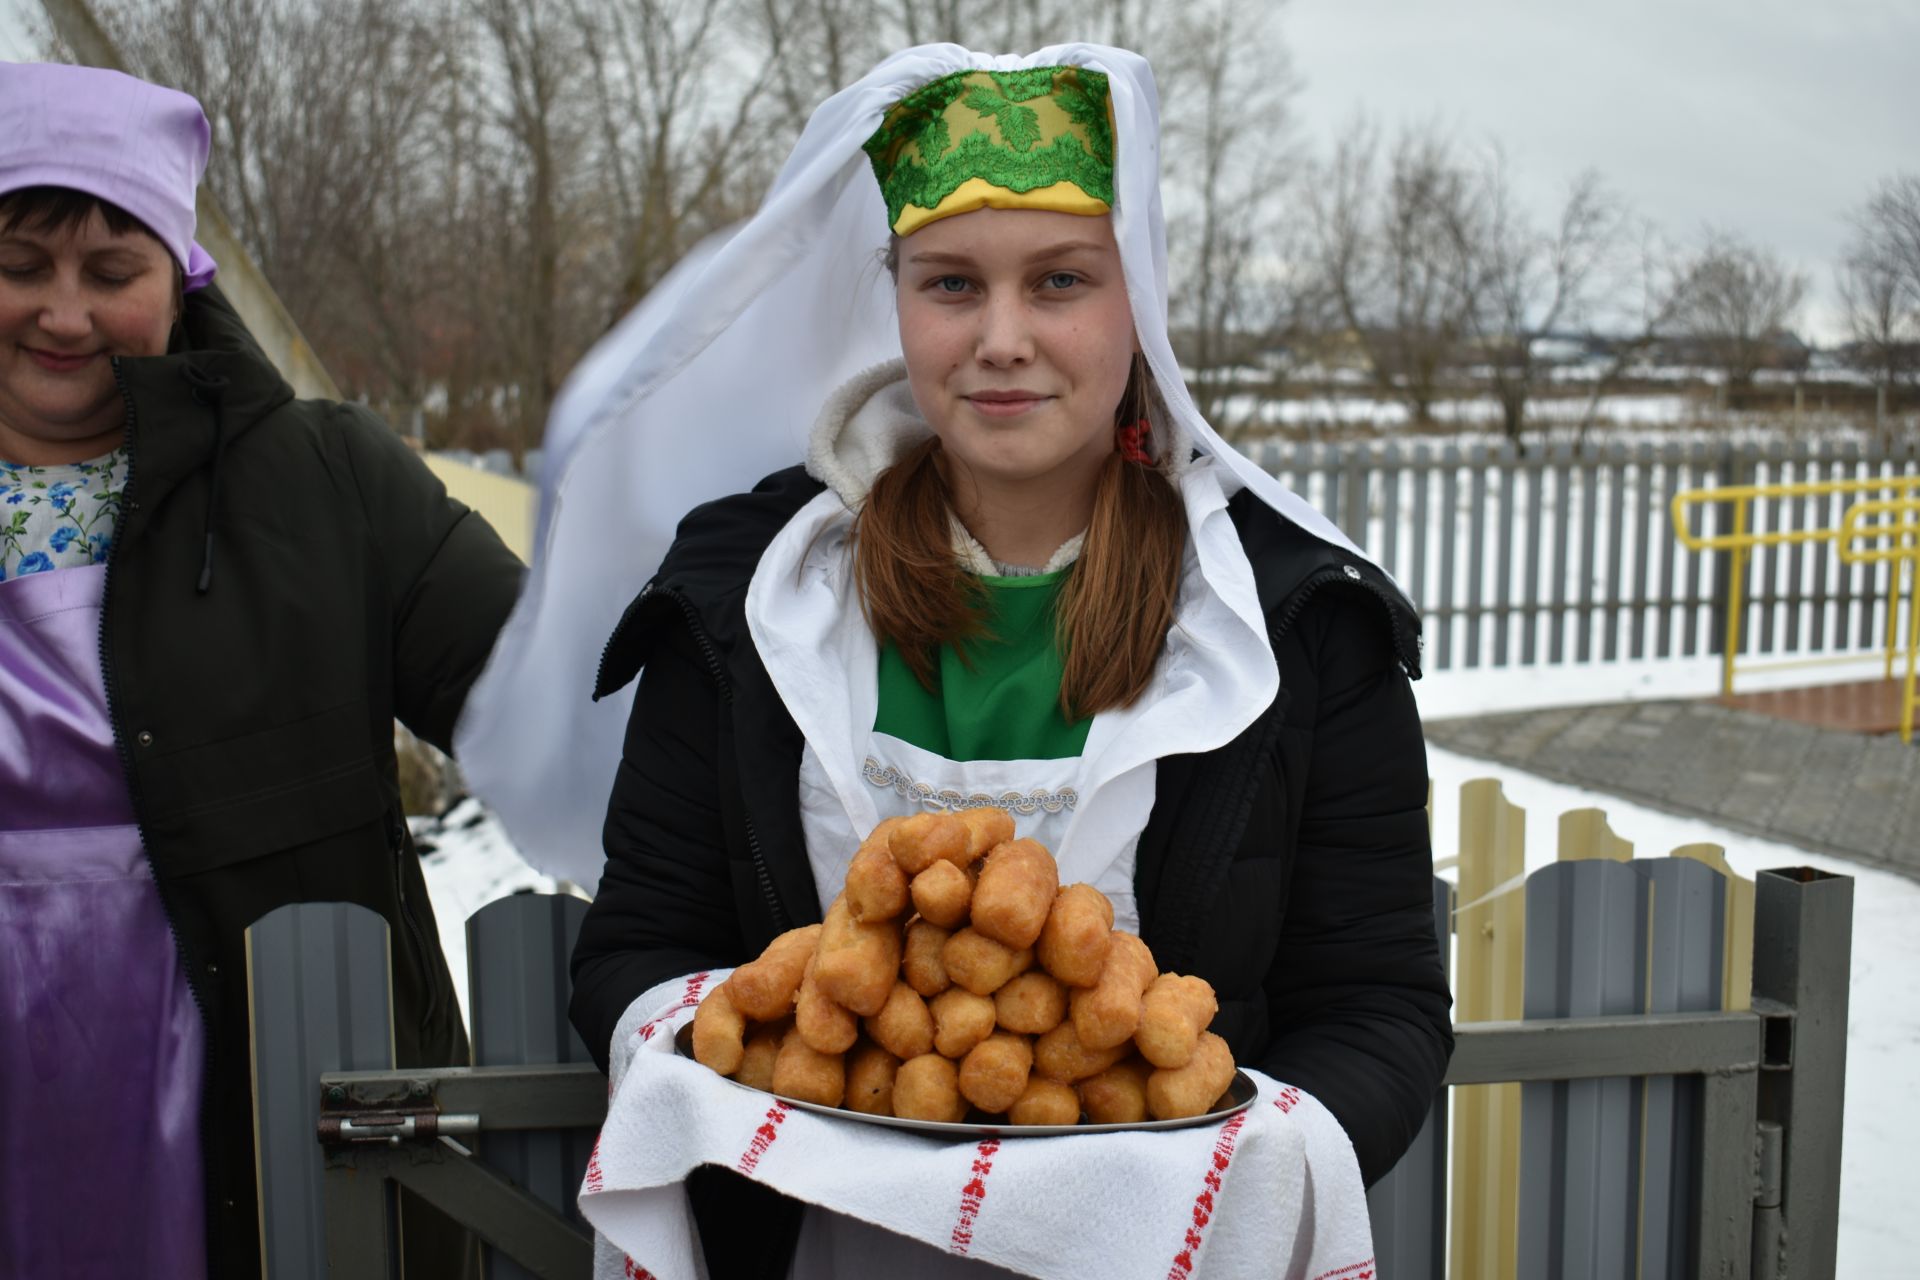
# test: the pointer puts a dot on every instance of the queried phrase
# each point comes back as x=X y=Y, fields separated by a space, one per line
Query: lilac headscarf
x=130 y=143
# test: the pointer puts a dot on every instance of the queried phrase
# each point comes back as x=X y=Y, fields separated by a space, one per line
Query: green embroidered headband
x=1041 y=138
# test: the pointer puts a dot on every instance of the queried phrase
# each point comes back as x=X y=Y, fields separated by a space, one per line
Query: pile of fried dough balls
x=955 y=977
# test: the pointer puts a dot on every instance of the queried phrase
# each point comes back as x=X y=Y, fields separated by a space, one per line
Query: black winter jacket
x=286 y=578
x=1291 y=868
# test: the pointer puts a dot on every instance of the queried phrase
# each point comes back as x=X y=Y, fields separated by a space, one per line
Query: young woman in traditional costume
x=214 y=599
x=1016 y=567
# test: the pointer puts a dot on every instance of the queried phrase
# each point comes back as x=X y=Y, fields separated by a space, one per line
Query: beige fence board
x=1489 y=926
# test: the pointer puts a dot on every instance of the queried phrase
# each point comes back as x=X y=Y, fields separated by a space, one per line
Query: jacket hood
x=212 y=386
x=862 y=429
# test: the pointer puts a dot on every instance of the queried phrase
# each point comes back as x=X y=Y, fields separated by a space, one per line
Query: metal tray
x=1238 y=1097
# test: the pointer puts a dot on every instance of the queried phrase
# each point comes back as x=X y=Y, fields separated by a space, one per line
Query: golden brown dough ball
x=980 y=964
x=994 y=1073
x=876 y=886
x=918 y=840
x=942 y=893
x=1108 y=1013
x=824 y=1023
x=921 y=964
x=1173 y=1013
x=882 y=835
x=961 y=1020
x=985 y=829
x=1032 y=1003
x=1046 y=1102
x=1117 y=1095
x=763 y=1046
x=903 y=1027
x=803 y=1072
x=858 y=961
x=764 y=989
x=870 y=1073
x=719 y=1032
x=928 y=1088
x=1073 y=945
x=1182 y=1092
x=1015 y=893
x=1059 y=1055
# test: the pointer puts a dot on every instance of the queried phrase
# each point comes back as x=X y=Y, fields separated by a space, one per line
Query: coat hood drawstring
x=210 y=389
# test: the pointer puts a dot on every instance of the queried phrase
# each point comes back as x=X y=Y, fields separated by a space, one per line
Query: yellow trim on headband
x=978 y=193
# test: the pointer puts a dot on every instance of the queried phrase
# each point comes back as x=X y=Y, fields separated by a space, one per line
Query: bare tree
x=1529 y=282
x=1879 y=282
x=1650 y=297
x=680 y=161
x=1893 y=215
x=1740 y=300
x=321 y=113
x=1226 y=156
x=1391 y=256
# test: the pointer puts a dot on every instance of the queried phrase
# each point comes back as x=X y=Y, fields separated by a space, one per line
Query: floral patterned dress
x=60 y=516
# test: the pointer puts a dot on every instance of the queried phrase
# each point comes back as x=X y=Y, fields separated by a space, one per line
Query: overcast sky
x=1768 y=117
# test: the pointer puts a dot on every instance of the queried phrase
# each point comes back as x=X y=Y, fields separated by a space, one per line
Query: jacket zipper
x=782 y=921
x=110 y=688
x=397 y=838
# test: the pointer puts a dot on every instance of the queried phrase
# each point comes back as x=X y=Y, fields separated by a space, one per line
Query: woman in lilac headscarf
x=214 y=599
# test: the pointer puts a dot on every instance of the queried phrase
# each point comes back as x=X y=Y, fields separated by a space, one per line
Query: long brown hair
x=1113 y=610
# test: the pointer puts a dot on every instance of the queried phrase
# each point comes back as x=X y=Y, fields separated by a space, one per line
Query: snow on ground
x=471 y=863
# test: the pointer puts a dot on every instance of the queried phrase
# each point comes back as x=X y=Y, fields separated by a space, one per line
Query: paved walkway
x=1853 y=795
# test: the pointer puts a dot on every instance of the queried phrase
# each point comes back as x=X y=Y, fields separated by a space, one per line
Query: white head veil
x=712 y=383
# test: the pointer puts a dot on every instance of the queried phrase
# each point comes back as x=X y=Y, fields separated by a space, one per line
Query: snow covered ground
x=472 y=863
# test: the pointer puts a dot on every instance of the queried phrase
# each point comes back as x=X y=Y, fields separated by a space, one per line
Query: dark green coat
x=286 y=579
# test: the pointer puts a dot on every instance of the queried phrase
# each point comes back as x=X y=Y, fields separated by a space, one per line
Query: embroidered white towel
x=1271 y=1192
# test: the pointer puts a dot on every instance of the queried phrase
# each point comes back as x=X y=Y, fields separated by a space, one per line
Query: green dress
x=1000 y=698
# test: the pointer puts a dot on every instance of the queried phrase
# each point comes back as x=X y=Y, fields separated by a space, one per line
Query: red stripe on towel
x=763 y=1137
x=595 y=1180
x=688 y=999
x=1203 y=1203
x=1352 y=1271
x=972 y=1194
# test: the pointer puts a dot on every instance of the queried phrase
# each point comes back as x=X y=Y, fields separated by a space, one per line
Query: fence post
x=1490 y=926
x=1580 y=1149
x=518 y=949
x=1686 y=922
x=1408 y=1207
x=1736 y=962
x=1802 y=962
x=1584 y=834
x=317 y=976
x=1728 y=472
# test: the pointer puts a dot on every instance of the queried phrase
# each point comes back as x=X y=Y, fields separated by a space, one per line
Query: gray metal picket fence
x=1663 y=1137
x=1567 y=555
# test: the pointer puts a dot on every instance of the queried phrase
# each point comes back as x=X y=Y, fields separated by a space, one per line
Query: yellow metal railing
x=1860 y=543
x=1881 y=494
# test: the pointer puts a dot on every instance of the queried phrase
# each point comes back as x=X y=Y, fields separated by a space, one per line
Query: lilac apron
x=101 y=1047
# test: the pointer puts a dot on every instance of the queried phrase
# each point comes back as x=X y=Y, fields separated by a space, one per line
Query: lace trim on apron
x=886 y=777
